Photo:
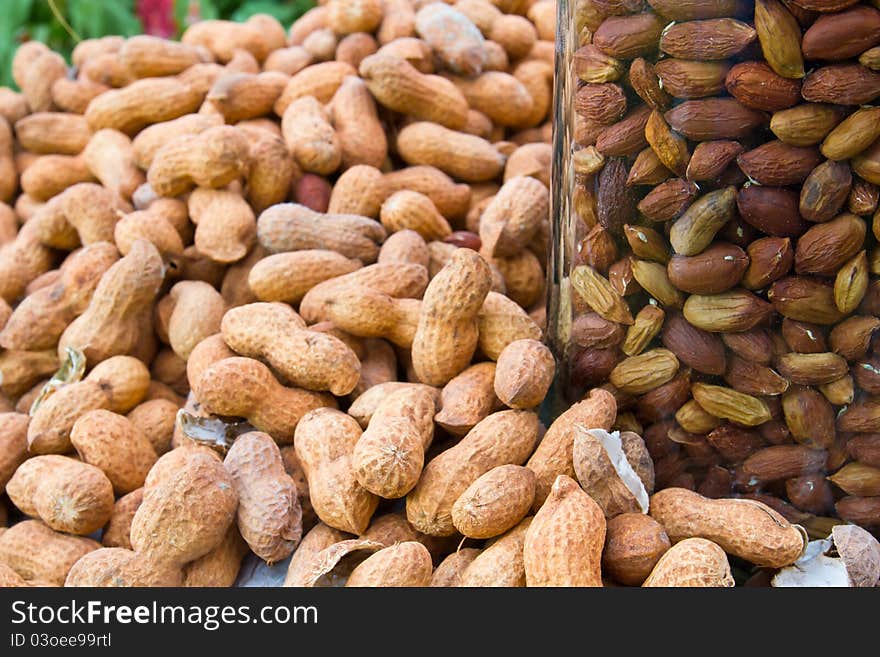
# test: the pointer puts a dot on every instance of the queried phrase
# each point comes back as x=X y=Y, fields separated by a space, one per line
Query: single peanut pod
x=113 y=323
x=367 y=313
x=453 y=298
x=563 y=545
x=744 y=528
x=415 y=211
x=110 y=157
x=405 y=246
x=293 y=227
x=241 y=96
x=500 y=564
x=456 y=40
x=50 y=175
x=324 y=442
x=269 y=515
x=359 y=190
x=212 y=158
x=462 y=156
x=361 y=136
x=148 y=56
x=310 y=136
x=514 y=216
x=75 y=95
x=37 y=77
x=448 y=573
x=495 y=502
x=693 y=562
x=271 y=169
x=53 y=132
x=218 y=568
x=288 y=277
x=188 y=489
x=398 y=85
x=144 y=102
x=389 y=456
x=401 y=565
x=243 y=387
x=276 y=334
x=501 y=321
x=196 y=312
x=115 y=445
x=68 y=495
x=445 y=478
x=36 y=552
x=467 y=399
x=225 y=224
x=524 y=373
x=482 y=94
x=115 y=566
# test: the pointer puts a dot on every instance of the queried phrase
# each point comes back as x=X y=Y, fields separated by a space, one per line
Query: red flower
x=157 y=17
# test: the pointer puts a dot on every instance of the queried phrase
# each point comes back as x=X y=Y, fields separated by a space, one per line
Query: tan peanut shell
x=113 y=566
x=40 y=319
x=288 y=276
x=276 y=334
x=694 y=562
x=563 y=545
x=398 y=85
x=196 y=312
x=324 y=441
x=401 y=565
x=744 y=528
x=259 y=35
x=524 y=373
x=189 y=503
x=495 y=502
x=310 y=137
x=320 y=81
x=467 y=399
x=13 y=444
x=450 y=198
x=513 y=217
x=218 y=568
x=225 y=224
x=445 y=478
x=463 y=156
x=269 y=516
x=452 y=299
x=395 y=280
x=117 y=531
x=244 y=387
x=151 y=139
x=294 y=227
x=405 y=246
x=36 y=552
x=389 y=456
x=553 y=455
x=117 y=384
x=361 y=136
x=449 y=572
x=500 y=564
x=142 y=103
x=368 y=313
x=502 y=321
x=155 y=418
x=414 y=211
x=68 y=495
x=634 y=542
x=365 y=405
x=314 y=542
x=212 y=158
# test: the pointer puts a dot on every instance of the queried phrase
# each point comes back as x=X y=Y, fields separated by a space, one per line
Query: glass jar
x=715 y=263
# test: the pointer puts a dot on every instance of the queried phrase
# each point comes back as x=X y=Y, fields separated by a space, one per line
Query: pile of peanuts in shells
x=276 y=294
